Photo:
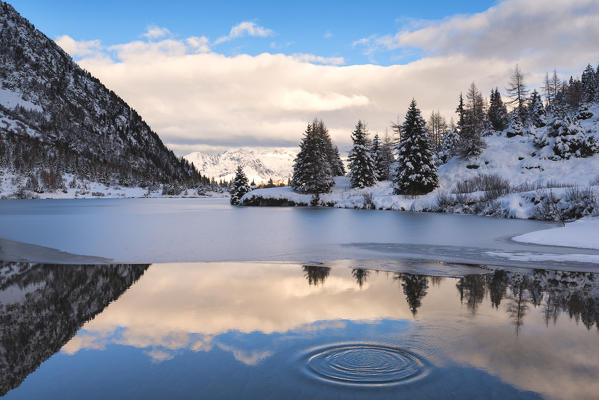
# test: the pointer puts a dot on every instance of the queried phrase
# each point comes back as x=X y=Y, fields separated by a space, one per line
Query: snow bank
x=582 y=233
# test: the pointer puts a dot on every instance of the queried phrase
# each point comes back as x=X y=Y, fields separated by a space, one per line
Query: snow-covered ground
x=582 y=233
x=10 y=184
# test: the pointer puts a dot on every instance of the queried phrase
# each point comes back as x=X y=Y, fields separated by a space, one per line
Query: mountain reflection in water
x=232 y=329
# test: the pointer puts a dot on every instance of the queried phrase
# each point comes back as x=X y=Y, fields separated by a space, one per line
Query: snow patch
x=583 y=233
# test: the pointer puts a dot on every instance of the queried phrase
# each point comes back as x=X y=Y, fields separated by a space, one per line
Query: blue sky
x=323 y=28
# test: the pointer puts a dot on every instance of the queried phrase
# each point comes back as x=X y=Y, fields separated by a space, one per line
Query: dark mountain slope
x=56 y=118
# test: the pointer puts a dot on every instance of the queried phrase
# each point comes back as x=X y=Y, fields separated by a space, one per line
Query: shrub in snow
x=575 y=203
x=239 y=187
x=567 y=139
x=584 y=113
x=361 y=164
x=516 y=127
x=494 y=186
x=416 y=172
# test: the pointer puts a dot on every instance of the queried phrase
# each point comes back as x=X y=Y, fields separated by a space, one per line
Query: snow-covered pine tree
x=361 y=163
x=337 y=167
x=380 y=159
x=312 y=170
x=497 y=112
x=387 y=154
x=589 y=83
x=461 y=111
x=332 y=152
x=449 y=146
x=537 y=110
x=416 y=172
x=239 y=187
x=516 y=127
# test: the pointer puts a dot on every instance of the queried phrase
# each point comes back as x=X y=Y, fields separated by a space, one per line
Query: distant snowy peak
x=259 y=163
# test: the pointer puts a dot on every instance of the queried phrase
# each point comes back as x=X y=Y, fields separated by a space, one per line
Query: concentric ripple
x=365 y=364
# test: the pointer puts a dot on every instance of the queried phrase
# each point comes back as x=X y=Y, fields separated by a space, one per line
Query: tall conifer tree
x=416 y=172
x=240 y=186
x=361 y=163
x=312 y=171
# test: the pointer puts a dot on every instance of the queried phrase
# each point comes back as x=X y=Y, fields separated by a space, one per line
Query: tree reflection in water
x=316 y=274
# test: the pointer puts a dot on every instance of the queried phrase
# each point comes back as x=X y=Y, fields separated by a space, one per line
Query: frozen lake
x=200 y=230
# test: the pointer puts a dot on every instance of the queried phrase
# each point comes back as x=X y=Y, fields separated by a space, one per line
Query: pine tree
x=240 y=186
x=497 y=112
x=416 y=173
x=537 y=111
x=361 y=163
x=381 y=165
x=589 y=84
x=312 y=171
x=332 y=152
x=336 y=164
x=450 y=145
x=461 y=113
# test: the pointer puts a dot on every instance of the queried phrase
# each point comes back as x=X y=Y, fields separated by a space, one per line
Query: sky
x=238 y=73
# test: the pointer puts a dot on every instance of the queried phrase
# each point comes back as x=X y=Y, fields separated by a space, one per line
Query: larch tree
x=240 y=186
x=518 y=93
x=436 y=128
x=416 y=173
x=471 y=143
x=361 y=163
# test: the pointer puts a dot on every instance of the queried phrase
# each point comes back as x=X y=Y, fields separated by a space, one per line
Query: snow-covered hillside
x=259 y=163
x=533 y=182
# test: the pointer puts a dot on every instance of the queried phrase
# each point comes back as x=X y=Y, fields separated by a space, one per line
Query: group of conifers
x=318 y=161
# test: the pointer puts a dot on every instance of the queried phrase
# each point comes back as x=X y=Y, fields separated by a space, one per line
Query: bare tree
x=436 y=128
x=518 y=93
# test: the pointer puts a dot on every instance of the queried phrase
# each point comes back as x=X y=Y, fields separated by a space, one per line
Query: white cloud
x=200 y=44
x=245 y=28
x=78 y=48
x=319 y=59
x=194 y=97
x=156 y=32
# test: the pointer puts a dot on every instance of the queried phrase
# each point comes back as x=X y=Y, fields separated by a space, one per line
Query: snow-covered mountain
x=259 y=163
x=57 y=120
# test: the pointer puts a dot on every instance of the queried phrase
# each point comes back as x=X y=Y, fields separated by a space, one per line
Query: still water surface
x=268 y=330
x=194 y=230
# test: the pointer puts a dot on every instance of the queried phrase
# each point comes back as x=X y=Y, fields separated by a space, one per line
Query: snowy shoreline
x=520 y=205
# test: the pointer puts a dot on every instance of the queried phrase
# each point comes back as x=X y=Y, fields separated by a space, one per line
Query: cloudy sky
x=241 y=73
